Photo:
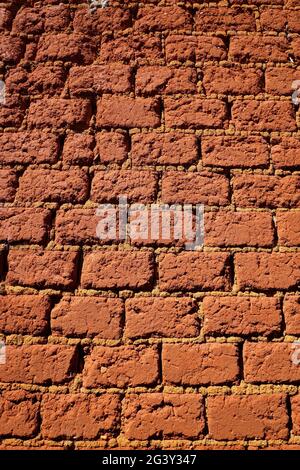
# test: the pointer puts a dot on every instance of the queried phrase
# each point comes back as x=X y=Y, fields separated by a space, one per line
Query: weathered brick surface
x=266 y=191
x=184 y=48
x=53 y=186
x=88 y=317
x=288 y=226
x=123 y=111
x=291 y=311
x=121 y=366
x=157 y=414
x=8 y=184
x=270 y=362
x=247 y=417
x=55 y=269
x=19 y=414
x=79 y=416
x=59 y=112
x=259 y=49
x=194 y=188
x=18 y=225
x=241 y=315
x=199 y=364
x=285 y=152
x=39 y=364
x=24 y=314
x=99 y=79
x=170 y=317
x=165 y=80
x=265 y=271
x=107 y=186
x=264 y=115
x=163 y=149
x=238 y=229
x=74 y=47
x=234 y=80
x=132 y=340
x=117 y=269
x=194 y=112
x=28 y=147
x=190 y=271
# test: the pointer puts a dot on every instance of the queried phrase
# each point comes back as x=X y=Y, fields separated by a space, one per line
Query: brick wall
x=146 y=345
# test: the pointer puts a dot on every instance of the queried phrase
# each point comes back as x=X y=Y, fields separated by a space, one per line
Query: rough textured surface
x=136 y=342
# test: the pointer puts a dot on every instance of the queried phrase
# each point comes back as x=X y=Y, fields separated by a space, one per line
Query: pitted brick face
x=115 y=332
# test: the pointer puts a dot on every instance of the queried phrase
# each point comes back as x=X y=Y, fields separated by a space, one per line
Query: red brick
x=163 y=149
x=18 y=414
x=55 y=269
x=194 y=271
x=273 y=19
x=36 y=20
x=122 y=366
x=112 y=78
x=270 y=362
x=166 y=80
x=194 y=188
x=163 y=415
x=5 y=18
x=156 y=317
x=59 y=112
x=295 y=401
x=193 y=112
x=24 y=225
x=39 y=364
x=28 y=147
x=264 y=115
x=155 y=18
x=288 y=227
x=98 y=415
x=123 y=111
x=53 y=185
x=112 y=147
x=258 y=49
x=24 y=314
x=291 y=310
x=57 y=17
x=88 y=317
x=107 y=186
x=266 y=271
x=78 y=149
x=234 y=151
x=48 y=80
x=266 y=191
x=77 y=226
x=75 y=48
x=285 y=152
x=241 y=315
x=279 y=80
x=194 y=48
x=11 y=49
x=28 y=21
x=8 y=185
x=12 y=112
x=199 y=364
x=131 y=48
x=247 y=417
x=232 y=80
x=117 y=269
x=224 y=19
x=238 y=229
x=103 y=19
